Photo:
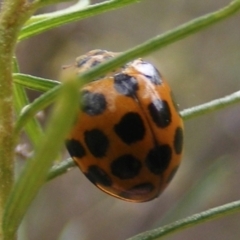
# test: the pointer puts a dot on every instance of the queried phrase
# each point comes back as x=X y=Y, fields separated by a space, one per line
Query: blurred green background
x=200 y=68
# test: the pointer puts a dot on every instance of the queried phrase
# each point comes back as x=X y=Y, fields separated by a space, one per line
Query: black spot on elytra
x=125 y=84
x=160 y=113
x=178 y=140
x=126 y=167
x=172 y=174
x=75 y=148
x=97 y=142
x=138 y=190
x=151 y=73
x=158 y=159
x=98 y=176
x=93 y=103
x=130 y=128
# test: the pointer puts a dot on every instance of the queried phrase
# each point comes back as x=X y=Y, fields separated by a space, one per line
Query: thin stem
x=33 y=82
x=211 y=106
x=60 y=169
x=193 y=220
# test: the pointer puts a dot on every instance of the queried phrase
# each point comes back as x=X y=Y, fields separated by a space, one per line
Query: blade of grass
x=141 y=50
x=70 y=15
x=34 y=83
x=36 y=169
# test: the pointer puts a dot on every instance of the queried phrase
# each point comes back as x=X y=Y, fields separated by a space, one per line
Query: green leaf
x=34 y=83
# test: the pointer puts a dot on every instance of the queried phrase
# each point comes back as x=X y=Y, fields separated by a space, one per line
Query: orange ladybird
x=128 y=137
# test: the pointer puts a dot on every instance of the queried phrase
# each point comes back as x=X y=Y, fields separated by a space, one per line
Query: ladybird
x=128 y=136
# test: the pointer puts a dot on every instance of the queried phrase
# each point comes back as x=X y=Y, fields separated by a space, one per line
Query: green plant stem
x=34 y=83
x=13 y=15
x=193 y=220
x=60 y=168
x=211 y=106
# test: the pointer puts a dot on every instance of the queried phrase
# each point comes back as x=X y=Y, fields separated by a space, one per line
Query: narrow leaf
x=34 y=83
